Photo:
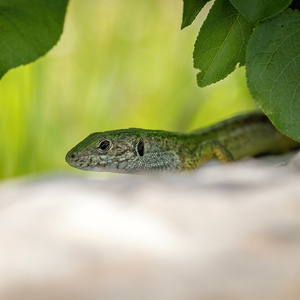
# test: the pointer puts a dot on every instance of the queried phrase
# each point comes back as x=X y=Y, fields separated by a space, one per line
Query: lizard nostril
x=72 y=155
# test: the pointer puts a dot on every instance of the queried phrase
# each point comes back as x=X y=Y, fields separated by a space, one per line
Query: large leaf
x=257 y=10
x=28 y=29
x=191 y=9
x=273 y=70
x=221 y=43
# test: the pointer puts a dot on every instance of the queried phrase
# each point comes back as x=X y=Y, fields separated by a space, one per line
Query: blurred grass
x=118 y=64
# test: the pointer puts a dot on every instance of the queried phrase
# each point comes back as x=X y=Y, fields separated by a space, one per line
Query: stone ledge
x=224 y=232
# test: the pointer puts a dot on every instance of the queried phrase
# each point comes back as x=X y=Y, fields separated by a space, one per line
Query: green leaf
x=273 y=70
x=258 y=10
x=191 y=9
x=28 y=29
x=221 y=43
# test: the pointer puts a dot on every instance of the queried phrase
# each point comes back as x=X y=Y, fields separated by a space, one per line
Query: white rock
x=223 y=232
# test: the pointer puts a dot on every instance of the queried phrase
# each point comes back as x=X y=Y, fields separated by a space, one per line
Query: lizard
x=137 y=150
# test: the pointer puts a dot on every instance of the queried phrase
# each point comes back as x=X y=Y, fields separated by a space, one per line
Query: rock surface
x=223 y=232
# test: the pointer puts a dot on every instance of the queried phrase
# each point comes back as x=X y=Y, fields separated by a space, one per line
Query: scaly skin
x=141 y=151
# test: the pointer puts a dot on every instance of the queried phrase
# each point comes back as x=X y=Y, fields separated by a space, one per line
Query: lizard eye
x=140 y=148
x=104 y=145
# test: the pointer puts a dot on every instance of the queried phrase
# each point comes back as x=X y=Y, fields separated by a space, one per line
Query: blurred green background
x=118 y=64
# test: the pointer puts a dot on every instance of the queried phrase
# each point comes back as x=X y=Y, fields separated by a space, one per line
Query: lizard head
x=126 y=151
x=111 y=151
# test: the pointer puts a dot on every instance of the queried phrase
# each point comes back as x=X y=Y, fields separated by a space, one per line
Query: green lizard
x=140 y=151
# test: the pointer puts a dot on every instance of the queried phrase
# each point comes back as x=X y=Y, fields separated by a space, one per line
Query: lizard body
x=141 y=151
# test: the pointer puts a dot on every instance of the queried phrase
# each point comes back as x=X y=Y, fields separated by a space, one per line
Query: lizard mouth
x=85 y=162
